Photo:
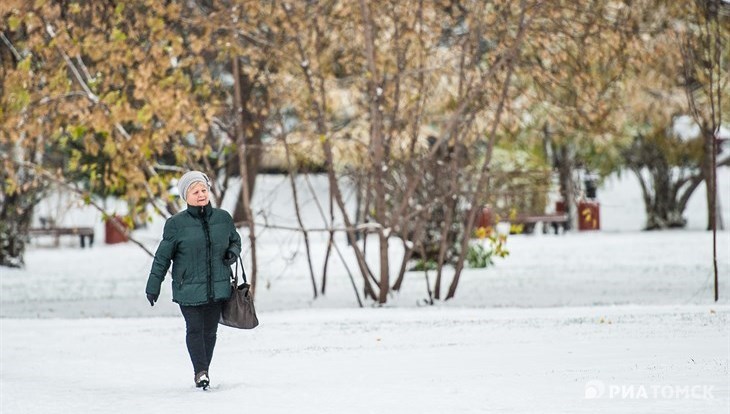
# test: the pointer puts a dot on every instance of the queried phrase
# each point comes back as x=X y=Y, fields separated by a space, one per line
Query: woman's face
x=197 y=195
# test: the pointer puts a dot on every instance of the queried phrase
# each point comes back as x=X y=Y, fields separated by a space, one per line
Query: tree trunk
x=242 y=159
x=709 y=176
x=250 y=119
x=664 y=210
x=416 y=237
x=446 y=241
x=297 y=210
x=377 y=150
x=330 y=239
x=564 y=163
x=15 y=217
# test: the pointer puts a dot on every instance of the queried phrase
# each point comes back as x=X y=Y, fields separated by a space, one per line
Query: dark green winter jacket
x=195 y=241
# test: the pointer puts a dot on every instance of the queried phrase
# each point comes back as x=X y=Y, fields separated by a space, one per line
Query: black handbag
x=239 y=311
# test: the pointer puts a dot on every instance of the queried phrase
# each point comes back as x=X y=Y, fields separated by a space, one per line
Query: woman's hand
x=229 y=258
x=152 y=298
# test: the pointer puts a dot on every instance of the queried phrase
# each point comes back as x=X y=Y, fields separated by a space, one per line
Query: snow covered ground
x=629 y=359
x=616 y=321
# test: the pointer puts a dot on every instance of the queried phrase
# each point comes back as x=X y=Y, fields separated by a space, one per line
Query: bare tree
x=703 y=43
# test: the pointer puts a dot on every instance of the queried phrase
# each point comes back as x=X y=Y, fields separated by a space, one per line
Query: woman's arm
x=163 y=257
x=234 y=240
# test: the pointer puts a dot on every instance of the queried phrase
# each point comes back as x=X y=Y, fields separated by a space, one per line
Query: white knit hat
x=187 y=181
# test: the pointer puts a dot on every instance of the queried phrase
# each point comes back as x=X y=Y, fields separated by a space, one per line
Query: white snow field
x=646 y=359
x=614 y=321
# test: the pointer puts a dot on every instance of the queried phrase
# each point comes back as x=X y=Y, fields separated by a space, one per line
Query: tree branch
x=11 y=47
x=85 y=195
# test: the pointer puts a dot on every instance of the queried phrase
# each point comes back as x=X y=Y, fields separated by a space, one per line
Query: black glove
x=229 y=258
x=152 y=298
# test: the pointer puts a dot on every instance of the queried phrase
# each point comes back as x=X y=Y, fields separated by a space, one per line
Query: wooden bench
x=57 y=232
x=555 y=220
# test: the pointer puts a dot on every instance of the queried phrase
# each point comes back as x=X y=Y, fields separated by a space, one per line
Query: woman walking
x=202 y=243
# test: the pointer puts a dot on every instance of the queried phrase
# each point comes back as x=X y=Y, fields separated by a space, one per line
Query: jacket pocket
x=180 y=278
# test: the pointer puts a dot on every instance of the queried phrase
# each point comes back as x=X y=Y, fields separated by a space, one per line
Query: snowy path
x=432 y=360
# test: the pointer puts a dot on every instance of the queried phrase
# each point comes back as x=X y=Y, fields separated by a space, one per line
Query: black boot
x=202 y=380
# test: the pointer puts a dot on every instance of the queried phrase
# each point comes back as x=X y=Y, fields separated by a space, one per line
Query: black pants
x=201 y=328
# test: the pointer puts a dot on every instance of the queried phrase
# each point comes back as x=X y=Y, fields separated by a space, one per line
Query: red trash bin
x=589 y=217
x=113 y=234
x=484 y=218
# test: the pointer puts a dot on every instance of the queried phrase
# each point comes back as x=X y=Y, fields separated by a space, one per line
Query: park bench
x=57 y=232
x=554 y=220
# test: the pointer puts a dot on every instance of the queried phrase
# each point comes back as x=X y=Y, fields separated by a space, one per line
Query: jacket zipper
x=206 y=230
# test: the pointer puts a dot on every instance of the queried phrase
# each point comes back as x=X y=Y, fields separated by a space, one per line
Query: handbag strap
x=243 y=273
